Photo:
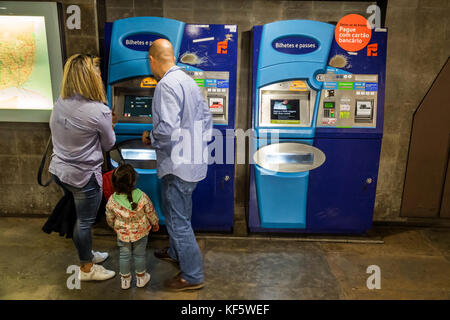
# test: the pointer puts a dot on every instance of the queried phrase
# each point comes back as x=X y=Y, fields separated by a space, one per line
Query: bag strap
x=41 y=167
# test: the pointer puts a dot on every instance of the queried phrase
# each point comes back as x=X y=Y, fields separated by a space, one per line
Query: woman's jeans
x=137 y=249
x=87 y=201
x=177 y=209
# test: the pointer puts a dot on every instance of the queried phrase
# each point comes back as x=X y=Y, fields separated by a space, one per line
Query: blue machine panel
x=292 y=207
x=213 y=48
x=347 y=116
x=209 y=54
x=365 y=62
x=132 y=60
x=275 y=65
x=341 y=193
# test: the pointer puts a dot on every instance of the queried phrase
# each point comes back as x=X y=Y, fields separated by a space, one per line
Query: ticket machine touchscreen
x=137 y=106
x=132 y=100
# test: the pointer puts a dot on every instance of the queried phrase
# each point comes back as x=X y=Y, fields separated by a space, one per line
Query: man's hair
x=161 y=52
x=81 y=76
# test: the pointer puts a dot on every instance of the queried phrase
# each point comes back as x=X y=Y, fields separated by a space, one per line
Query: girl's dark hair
x=124 y=180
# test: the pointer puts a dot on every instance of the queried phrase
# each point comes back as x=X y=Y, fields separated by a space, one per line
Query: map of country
x=25 y=81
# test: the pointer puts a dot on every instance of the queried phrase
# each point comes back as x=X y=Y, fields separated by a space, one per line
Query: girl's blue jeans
x=132 y=249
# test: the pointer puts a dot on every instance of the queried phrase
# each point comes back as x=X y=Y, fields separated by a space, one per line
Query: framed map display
x=30 y=60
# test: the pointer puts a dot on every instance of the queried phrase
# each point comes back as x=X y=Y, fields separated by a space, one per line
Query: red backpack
x=108 y=189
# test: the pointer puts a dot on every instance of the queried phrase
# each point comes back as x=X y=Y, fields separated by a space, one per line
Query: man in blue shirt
x=182 y=126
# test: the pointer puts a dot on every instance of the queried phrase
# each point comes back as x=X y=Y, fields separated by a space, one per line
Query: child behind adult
x=131 y=214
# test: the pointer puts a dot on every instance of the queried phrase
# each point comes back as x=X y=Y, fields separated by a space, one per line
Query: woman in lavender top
x=82 y=127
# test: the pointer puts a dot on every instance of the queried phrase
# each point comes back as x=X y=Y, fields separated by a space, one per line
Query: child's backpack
x=108 y=189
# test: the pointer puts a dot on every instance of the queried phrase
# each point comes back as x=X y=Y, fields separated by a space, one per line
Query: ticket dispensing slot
x=289 y=157
x=301 y=158
x=134 y=152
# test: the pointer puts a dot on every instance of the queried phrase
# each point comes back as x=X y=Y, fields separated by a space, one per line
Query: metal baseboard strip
x=377 y=240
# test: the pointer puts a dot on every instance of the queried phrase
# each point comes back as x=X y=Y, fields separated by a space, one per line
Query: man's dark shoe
x=163 y=254
x=179 y=284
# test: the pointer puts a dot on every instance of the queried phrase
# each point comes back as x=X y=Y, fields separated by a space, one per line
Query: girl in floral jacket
x=130 y=213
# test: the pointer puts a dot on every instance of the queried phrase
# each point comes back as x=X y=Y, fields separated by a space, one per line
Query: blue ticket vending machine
x=208 y=54
x=325 y=105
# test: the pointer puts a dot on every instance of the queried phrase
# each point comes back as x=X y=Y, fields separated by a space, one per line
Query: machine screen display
x=137 y=106
x=285 y=111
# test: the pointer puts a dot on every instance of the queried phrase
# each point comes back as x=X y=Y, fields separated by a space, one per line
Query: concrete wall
x=418 y=45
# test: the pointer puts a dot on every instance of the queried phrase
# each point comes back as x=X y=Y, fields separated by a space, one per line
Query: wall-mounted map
x=25 y=81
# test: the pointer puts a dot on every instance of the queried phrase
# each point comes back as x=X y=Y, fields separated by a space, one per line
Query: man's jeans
x=87 y=201
x=138 y=250
x=177 y=209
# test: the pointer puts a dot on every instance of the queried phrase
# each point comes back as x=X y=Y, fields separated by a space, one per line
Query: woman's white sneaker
x=142 y=281
x=126 y=282
x=99 y=257
x=97 y=272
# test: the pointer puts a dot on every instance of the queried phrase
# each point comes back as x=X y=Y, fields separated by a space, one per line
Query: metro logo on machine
x=140 y=41
x=295 y=45
x=222 y=47
x=372 y=50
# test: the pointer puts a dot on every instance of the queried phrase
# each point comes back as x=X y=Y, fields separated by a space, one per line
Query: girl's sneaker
x=126 y=282
x=142 y=281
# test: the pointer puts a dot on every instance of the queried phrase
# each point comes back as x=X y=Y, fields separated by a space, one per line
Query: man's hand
x=146 y=138
x=155 y=228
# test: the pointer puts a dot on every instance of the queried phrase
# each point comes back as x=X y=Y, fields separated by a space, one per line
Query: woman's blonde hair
x=82 y=76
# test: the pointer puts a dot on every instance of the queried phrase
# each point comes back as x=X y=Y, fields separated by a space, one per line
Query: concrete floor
x=414 y=263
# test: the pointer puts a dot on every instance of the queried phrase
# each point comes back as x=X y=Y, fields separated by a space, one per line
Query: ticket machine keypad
x=348 y=100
